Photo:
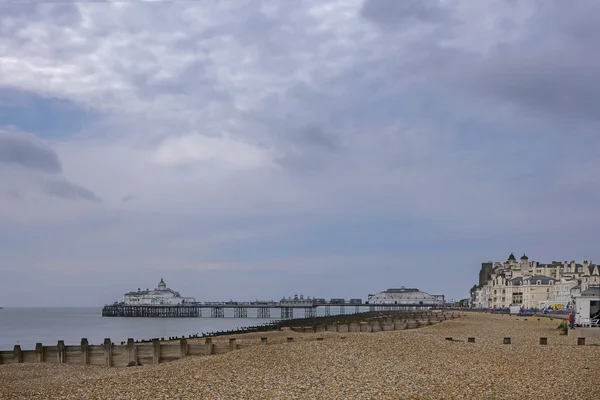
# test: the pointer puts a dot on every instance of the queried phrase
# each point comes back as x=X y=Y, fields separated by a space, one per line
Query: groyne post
x=61 y=352
x=232 y=345
x=155 y=351
x=209 y=346
x=108 y=356
x=263 y=340
x=183 y=345
x=17 y=354
x=85 y=351
x=39 y=352
x=131 y=350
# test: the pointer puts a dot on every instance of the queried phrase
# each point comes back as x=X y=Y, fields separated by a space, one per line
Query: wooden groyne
x=157 y=351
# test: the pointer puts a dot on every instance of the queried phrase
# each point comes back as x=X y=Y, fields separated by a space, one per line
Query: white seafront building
x=162 y=295
x=409 y=298
x=534 y=285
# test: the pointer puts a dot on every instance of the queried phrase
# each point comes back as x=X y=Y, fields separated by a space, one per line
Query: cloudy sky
x=254 y=149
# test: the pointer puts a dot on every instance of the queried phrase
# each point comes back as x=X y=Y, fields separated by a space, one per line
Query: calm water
x=28 y=326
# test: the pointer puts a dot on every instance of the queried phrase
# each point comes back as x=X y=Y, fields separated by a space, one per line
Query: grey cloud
x=26 y=151
x=315 y=136
x=310 y=147
x=66 y=190
x=31 y=154
x=552 y=70
x=128 y=198
x=394 y=13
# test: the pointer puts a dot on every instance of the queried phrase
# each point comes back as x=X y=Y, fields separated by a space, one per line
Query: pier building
x=162 y=295
x=407 y=298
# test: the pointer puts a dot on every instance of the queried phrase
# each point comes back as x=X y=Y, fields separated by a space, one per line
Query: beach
x=407 y=364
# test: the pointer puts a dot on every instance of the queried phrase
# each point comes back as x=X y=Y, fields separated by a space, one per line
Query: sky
x=256 y=149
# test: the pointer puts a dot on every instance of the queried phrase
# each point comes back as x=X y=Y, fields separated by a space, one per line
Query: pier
x=274 y=310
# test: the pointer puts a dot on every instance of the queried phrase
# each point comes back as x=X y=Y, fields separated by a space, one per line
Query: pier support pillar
x=108 y=356
x=263 y=312
x=39 y=352
x=85 y=351
x=217 y=312
x=61 y=352
x=155 y=351
x=17 y=355
x=131 y=350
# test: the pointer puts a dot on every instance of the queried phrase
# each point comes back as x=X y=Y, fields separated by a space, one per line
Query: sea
x=28 y=326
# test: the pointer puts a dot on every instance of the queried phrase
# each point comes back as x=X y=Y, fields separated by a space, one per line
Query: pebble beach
x=409 y=364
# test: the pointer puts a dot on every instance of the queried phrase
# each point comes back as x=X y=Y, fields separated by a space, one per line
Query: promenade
x=407 y=364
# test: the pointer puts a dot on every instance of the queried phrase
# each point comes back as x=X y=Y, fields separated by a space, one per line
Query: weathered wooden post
x=543 y=341
x=209 y=346
x=155 y=351
x=580 y=341
x=290 y=339
x=39 y=352
x=108 y=356
x=184 y=348
x=471 y=340
x=85 y=351
x=263 y=340
x=17 y=354
x=506 y=340
x=131 y=351
x=61 y=352
x=232 y=345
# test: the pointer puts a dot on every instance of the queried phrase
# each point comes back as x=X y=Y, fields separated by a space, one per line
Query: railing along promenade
x=158 y=351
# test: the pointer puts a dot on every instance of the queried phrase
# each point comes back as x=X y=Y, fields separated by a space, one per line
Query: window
x=539 y=282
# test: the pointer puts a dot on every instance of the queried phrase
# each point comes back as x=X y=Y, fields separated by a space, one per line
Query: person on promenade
x=571 y=320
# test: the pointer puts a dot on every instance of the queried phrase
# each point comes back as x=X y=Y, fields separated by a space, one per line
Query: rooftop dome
x=524 y=257
x=162 y=285
x=511 y=257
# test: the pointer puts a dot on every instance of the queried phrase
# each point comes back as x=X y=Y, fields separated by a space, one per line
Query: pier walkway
x=277 y=310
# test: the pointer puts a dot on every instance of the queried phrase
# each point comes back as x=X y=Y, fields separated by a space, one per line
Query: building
x=297 y=301
x=531 y=284
x=409 y=298
x=162 y=295
x=587 y=304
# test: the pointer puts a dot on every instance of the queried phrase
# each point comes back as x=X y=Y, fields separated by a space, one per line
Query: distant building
x=530 y=284
x=159 y=296
x=411 y=298
x=297 y=301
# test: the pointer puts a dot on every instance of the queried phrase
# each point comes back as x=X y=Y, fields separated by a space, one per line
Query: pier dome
x=159 y=296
